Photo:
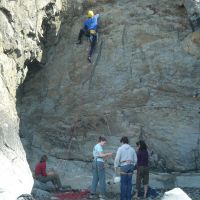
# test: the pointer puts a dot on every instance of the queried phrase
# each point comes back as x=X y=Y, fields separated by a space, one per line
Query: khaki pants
x=54 y=178
x=142 y=176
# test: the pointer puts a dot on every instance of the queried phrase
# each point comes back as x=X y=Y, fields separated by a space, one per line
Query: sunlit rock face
x=21 y=29
x=143 y=82
x=15 y=176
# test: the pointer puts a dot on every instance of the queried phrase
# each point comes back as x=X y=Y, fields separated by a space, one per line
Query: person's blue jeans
x=98 y=171
x=126 y=182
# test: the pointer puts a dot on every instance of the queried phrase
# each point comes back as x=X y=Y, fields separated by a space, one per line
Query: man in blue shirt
x=90 y=30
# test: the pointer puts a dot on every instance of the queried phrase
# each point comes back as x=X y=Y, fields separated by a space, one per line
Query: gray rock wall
x=143 y=82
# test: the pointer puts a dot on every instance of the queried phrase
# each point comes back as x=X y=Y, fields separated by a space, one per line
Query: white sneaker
x=102 y=197
x=91 y=196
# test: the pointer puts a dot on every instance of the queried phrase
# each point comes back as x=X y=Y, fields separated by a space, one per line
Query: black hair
x=102 y=139
x=124 y=140
x=43 y=158
x=142 y=144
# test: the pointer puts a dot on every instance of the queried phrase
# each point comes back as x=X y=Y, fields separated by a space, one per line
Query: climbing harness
x=93 y=32
x=125 y=173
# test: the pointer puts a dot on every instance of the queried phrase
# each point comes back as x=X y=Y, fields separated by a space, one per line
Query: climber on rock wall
x=90 y=30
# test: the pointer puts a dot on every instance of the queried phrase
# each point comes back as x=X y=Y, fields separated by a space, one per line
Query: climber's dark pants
x=92 y=37
x=83 y=32
x=93 y=41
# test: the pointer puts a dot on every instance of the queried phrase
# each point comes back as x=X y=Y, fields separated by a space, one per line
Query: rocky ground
x=193 y=193
x=80 y=179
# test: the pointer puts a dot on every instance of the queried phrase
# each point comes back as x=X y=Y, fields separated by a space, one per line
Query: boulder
x=41 y=194
x=176 y=194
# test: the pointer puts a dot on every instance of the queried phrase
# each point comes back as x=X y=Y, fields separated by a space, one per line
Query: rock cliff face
x=22 y=28
x=144 y=82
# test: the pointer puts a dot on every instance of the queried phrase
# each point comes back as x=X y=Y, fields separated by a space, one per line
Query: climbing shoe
x=61 y=190
x=92 y=196
x=79 y=42
x=102 y=197
x=89 y=59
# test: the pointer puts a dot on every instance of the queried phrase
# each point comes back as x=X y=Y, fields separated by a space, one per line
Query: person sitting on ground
x=90 y=30
x=42 y=176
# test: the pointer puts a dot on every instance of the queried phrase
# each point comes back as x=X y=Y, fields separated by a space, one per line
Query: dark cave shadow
x=29 y=88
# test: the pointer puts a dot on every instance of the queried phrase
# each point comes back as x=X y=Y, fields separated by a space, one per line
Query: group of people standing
x=127 y=160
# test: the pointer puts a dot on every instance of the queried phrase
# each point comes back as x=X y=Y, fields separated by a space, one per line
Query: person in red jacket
x=42 y=176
